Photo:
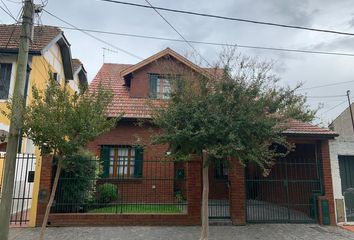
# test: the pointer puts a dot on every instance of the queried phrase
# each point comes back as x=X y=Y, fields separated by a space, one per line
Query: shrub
x=76 y=182
x=107 y=193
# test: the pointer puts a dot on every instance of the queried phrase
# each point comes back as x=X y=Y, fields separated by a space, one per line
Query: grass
x=139 y=208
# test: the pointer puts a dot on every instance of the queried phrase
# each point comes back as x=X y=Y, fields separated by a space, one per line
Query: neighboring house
x=342 y=164
x=151 y=191
x=79 y=81
x=49 y=53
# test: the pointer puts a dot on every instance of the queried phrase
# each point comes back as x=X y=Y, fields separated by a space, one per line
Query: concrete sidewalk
x=249 y=232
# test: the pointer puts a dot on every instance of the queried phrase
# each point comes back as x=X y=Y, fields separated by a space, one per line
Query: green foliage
x=179 y=197
x=107 y=193
x=61 y=122
x=237 y=113
x=77 y=181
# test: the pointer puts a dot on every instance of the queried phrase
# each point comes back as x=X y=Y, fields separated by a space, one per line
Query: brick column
x=237 y=193
x=327 y=179
x=194 y=189
x=44 y=187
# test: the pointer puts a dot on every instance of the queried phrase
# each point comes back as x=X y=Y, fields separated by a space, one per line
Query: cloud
x=351 y=21
x=292 y=67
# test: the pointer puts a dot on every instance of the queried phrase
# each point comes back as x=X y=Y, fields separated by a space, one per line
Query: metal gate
x=219 y=209
x=23 y=187
x=346 y=167
x=288 y=194
x=218 y=193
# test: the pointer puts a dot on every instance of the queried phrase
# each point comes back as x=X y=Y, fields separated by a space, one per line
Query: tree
x=239 y=113
x=62 y=123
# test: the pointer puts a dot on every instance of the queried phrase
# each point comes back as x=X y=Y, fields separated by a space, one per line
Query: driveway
x=249 y=232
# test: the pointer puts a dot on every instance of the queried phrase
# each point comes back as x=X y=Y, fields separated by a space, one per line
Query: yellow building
x=49 y=53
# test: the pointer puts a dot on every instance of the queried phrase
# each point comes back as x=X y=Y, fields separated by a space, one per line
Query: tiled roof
x=110 y=77
x=295 y=127
x=42 y=36
x=76 y=64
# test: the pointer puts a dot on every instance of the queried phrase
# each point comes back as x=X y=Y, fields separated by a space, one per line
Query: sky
x=310 y=69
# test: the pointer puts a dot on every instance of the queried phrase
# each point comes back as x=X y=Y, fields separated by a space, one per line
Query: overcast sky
x=310 y=69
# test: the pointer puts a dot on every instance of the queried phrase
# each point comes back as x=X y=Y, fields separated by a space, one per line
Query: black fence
x=287 y=195
x=115 y=188
x=23 y=187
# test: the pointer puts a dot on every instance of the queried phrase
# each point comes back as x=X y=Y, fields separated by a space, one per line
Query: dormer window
x=159 y=86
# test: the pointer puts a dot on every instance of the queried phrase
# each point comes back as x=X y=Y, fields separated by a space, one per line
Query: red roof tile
x=295 y=127
x=110 y=76
x=42 y=36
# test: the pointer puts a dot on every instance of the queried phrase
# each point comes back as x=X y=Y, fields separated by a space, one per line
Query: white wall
x=74 y=84
x=342 y=145
x=53 y=57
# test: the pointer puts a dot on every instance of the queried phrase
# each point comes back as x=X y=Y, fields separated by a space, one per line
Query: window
x=122 y=161
x=5 y=78
x=159 y=86
x=221 y=171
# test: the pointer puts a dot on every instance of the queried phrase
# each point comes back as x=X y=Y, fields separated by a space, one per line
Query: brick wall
x=192 y=217
x=327 y=178
x=44 y=187
x=237 y=193
x=146 y=189
x=139 y=87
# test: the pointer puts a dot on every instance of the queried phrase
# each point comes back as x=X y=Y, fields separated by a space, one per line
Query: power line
x=19 y=2
x=328 y=96
x=185 y=40
x=210 y=43
x=8 y=10
x=8 y=13
x=326 y=85
x=14 y=27
x=233 y=19
x=92 y=36
x=335 y=106
x=341 y=103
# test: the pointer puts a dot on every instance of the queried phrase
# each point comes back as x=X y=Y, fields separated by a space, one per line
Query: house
x=49 y=53
x=154 y=192
x=342 y=165
x=79 y=80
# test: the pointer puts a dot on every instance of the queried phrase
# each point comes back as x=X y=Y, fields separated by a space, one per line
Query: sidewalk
x=348 y=227
x=249 y=232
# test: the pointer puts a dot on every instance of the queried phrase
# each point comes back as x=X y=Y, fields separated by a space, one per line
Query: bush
x=76 y=182
x=107 y=193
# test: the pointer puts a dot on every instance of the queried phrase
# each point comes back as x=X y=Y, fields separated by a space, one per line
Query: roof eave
x=15 y=51
x=160 y=54
x=65 y=54
x=312 y=135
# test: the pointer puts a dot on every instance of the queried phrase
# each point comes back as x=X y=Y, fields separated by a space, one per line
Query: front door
x=346 y=168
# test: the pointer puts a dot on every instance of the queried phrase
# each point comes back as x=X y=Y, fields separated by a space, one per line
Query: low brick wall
x=192 y=217
x=237 y=193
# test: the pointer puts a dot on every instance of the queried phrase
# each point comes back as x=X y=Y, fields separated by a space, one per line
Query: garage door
x=288 y=193
x=346 y=167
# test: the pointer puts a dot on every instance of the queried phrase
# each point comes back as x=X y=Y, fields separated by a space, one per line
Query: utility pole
x=18 y=104
x=350 y=109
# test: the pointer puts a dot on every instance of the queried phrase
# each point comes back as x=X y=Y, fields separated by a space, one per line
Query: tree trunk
x=205 y=198
x=51 y=199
